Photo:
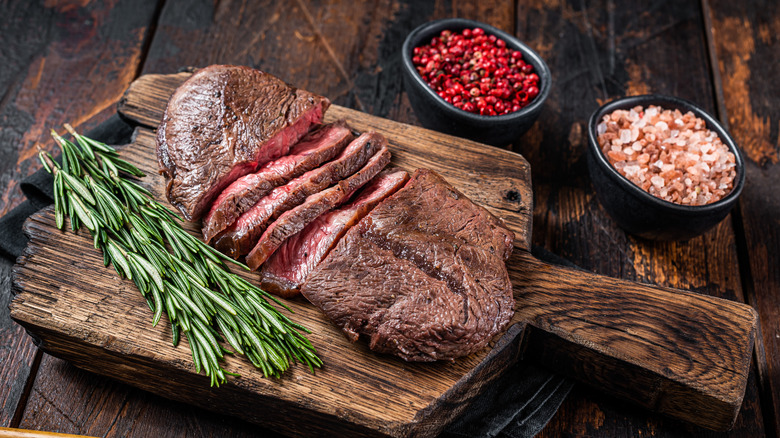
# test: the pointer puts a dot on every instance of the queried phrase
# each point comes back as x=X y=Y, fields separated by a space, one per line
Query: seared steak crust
x=285 y=271
x=315 y=148
x=293 y=221
x=422 y=275
x=221 y=124
x=242 y=236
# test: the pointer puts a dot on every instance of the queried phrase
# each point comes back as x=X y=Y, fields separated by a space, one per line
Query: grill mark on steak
x=293 y=221
x=221 y=124
x=466 y=220
x=314 y=149
x=285 y=271
x=422 y=275
x=242 y=236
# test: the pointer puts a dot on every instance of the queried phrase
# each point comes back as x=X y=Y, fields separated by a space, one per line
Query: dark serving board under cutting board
x=680 y=353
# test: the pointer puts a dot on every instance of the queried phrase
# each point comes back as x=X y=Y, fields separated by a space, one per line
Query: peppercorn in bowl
x=663 y=168
x=473 y=80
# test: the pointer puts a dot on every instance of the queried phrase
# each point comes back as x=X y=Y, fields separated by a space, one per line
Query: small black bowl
x=641 y=213
x=435 y=113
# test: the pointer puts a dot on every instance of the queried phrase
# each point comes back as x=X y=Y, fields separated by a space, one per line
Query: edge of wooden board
x=117 y=359
x=145 y=99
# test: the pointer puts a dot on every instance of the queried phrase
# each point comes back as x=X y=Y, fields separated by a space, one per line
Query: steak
x=283 y=273
x=315 y=148
x=242 y=236
x=221 y=124
x=293 y=221
x=422 y=275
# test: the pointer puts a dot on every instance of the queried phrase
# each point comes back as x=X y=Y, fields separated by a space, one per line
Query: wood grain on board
x=62 y=62
x=106 y=330
x=306 y=42
x=598 y=51
x=618 y=46
x=687 y=355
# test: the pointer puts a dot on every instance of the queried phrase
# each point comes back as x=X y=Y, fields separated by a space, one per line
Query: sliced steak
x=315 y=148
x=293 y=221
x=428 y=203
x=242 y=236
x=285 y=271
x=221 y=124
x=422 y=275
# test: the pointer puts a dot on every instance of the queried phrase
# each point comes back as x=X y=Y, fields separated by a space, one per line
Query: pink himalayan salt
x=672 y=156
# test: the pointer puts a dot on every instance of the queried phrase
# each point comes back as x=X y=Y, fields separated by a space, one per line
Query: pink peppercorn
x=476 y=72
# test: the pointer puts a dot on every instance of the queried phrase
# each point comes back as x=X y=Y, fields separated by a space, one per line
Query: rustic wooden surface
x=62 y=61
x=720 y=54
x=339 y=397
x=686 y=355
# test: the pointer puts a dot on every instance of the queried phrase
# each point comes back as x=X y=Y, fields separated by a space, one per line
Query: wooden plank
x=114 y=409
x=333 y=396
x=482 y=173
x=383 y=97
x=746 y=45
x=358 y=40
x=599 y=51
x=349 y=53
x=62 y=62
x=6 y=432
x=653 y=339
x=17 y=354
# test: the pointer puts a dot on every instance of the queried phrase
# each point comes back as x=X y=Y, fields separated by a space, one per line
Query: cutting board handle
x=679 y=353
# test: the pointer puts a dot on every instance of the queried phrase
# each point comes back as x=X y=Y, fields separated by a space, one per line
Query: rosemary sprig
x=177 y=273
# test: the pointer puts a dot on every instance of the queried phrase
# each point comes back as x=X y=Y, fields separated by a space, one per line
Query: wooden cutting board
x=679 y=353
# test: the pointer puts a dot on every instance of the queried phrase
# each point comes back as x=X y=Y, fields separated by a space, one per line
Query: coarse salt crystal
x=631 y=170
x=688 y=164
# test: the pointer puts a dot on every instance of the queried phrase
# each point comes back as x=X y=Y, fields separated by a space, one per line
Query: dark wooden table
x=70 y=61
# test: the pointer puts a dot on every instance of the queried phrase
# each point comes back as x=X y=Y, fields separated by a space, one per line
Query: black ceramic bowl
x=435 y=113
x=640 y=213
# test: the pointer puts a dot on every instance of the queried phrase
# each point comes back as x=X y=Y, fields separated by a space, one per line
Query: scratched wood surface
x=62 y=62
x=746 y=42
x=686 y=355
x=723 y=55
x=100 y=327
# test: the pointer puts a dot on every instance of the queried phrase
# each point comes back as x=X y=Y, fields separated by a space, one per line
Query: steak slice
x=285 y=271
x=422 y=275
x=428 y=203
x=222 y=123
x=315 y=148
x=293 y=221
x=242 y=236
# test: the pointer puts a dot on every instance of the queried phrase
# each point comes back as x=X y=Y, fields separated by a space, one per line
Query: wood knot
x=513 y=196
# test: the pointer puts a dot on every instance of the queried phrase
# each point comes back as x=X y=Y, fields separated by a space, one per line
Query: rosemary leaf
x=178 y=275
